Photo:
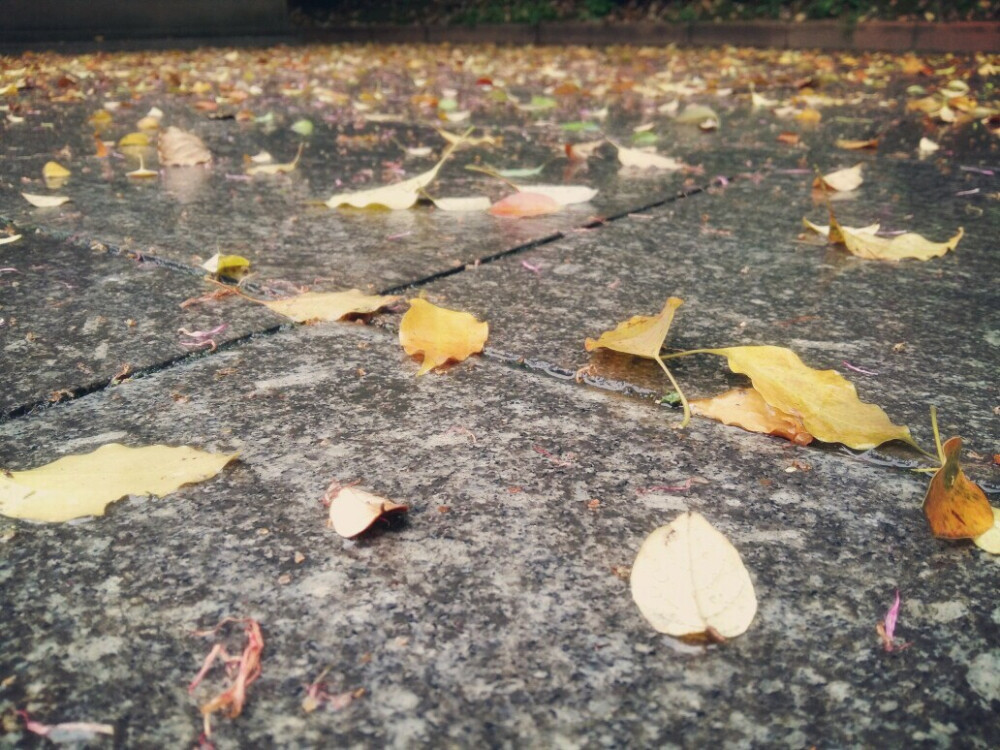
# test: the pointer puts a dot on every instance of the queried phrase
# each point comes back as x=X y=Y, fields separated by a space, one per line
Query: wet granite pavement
x=497 y=612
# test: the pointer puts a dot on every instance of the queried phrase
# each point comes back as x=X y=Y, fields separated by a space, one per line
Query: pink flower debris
x=863 y=371
x=317 y=695
x=71 y=731
x=887 y=628
x=241 y=670
x=201 y=339
x=530 y=267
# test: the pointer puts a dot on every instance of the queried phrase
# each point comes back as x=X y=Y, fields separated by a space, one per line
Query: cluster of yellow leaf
x=865 y=243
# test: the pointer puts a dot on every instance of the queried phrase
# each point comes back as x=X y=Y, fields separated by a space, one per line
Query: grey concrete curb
x=889 y=36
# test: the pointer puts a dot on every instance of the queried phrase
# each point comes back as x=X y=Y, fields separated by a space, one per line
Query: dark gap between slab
x=538 y=366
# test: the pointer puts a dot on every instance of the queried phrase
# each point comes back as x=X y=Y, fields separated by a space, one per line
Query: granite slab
x=496 y=613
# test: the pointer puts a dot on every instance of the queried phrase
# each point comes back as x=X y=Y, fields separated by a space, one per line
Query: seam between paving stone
x=512 y=360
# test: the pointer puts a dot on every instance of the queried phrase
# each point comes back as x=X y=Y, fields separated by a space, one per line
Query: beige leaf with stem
x=276 y=168
x=11 y=238
x=141 y=172
x=634 y=158
x=353 y=511
x=868 y=245
x=825 y=230
x=643 y=336
x=843 y=180
x=326 y=306
x=463 y=205
x=990 y=540
x=178 y=148
x=395 y=197
x=45 y=201
x=439 y=334
x=84 y=485
x=689 y=580
x=824 y=400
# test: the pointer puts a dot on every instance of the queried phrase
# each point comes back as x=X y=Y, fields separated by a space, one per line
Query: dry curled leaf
x=178 y=148
x=353 y=511
x=439 y=334
x=84 y=485
x=519 y=205
x=325 y=306
x=956 y=507
x=636 y=159
x=746 y=408
x=843 y=180
x=824 y=400
x=689 y=580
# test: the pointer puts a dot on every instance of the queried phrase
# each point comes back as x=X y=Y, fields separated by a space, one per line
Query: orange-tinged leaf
x=642 y=335
x=439 y=334
x=323 y=306
x=824 y=400
x=353 y=511
x=83 y=485
x=852 y=145
x=956 y=507
x=746 y=408
x=525 y=204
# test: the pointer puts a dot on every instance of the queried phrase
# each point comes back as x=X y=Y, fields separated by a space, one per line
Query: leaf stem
x=692 y=351
x=684 y=401
x=937 y=435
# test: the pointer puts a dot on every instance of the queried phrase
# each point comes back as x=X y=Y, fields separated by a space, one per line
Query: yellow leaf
x=825 y=231
x=956 y=508
x=353 y=511
x=53 y=171
x=698 y=114
x=440 y=334
x=396 y=197
x=642 y=335
x=45 y=201
x=843 y=180
x=11 y=238
x=824 y=400
x=866 y=244
x=927 y=146
x=141 y=172
x=633 y=158
x=134 y=139
x=325 y=306
x=461 y=205
x=149 y=123
x=809 y=116
x=83 y=485
x=276 y=168
x=746 y=408
x=990 y=539
x=689 y=580
x=233 y=266
x=178 y=148
x=101 y=118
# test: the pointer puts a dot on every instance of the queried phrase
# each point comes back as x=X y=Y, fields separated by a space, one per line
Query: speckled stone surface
x=748 y=275
x=492 y=615
x=73 y=318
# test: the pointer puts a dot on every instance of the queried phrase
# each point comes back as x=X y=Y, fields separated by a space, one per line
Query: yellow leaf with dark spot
x=439 y=334
x=956 y=507
x=84 y=485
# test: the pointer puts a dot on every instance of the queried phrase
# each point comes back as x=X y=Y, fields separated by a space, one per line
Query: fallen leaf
x=326 y=306
x=11 y=238
x=466 y=140
x=439 y=334
x=643 y=336
x=843 y=180
x=809 y=116
x=233 y=266
x=521 y=173
x=825 y=231
x=395 y=197
x=275 y=168
x=136 y=139
x=824 y=400
x=141 y=172
x=54 y=171
x=45 y=201
x=148 y=123
x=178 y=148
x=856 y=145
x=697 y=114
x=630 y=157
x=582 y=151
x=746 y=408
x=525 y=204
x=791 y=139
x=83 y=485
x=564 y=195
x=927 y=146
x=353 y=511
x=956 y=507
x=866 y=244
x=689 y=580
x=460 y=205
x=302 y=127
x=989 y=540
